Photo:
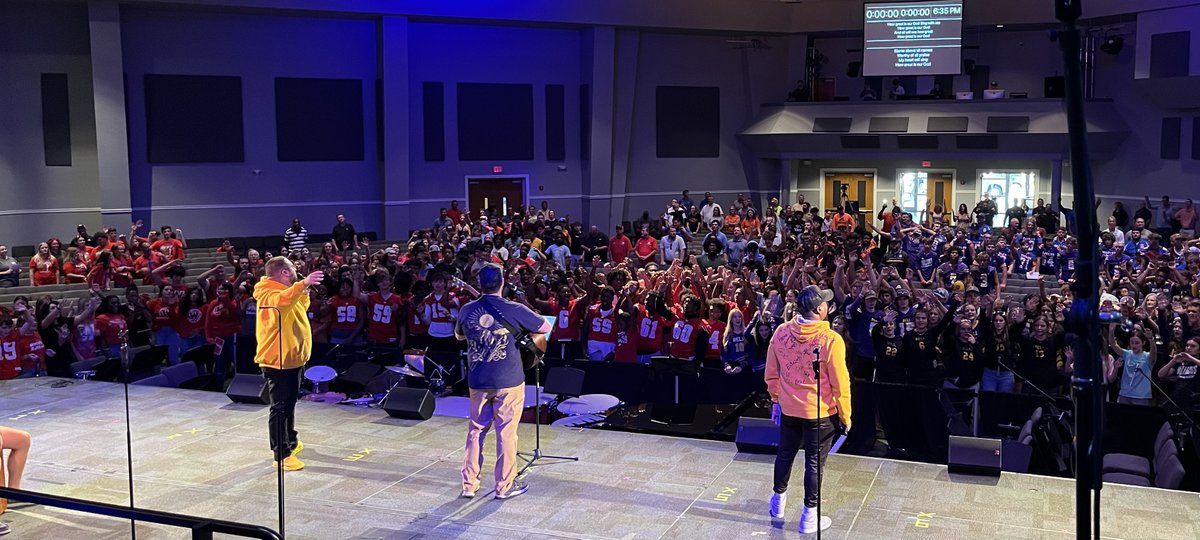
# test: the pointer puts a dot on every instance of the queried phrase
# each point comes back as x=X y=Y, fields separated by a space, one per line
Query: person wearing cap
x=802 y=418
x=496 y=379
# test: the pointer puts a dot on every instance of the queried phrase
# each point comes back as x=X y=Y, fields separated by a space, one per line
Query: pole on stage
x=125 y=362
x=1082 y=319
x=278 y=427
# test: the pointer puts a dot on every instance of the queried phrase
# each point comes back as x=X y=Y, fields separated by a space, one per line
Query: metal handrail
x=202 y=528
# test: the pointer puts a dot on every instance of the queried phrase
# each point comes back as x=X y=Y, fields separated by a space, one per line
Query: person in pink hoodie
x=802 y=419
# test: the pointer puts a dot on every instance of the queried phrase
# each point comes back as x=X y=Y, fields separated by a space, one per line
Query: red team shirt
x=164 y=314
x=684 y=335
x=383 y=322
x=10 y=355
x=649 y=332
x=190 y=323
x=346 y=312
x=602 y=327
x=31 y=344
x=716 y=330
x=626 y=351
x=110 y=327
x=566 y=328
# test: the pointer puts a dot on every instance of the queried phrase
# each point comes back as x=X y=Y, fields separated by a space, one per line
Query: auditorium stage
x=371 y=476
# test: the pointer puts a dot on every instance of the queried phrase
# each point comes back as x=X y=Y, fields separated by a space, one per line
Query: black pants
x=817 y=438
x=283 y=385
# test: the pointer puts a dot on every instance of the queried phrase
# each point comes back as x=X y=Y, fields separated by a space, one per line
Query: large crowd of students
x=921 y=299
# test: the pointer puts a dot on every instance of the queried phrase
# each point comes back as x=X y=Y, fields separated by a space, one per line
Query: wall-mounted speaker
x=854 y=69
x=968 y=66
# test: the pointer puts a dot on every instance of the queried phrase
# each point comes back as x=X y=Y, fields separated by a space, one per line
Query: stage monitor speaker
x=974 y=455
x=1055 y=87
x=757 y=436
x=248 y=389
x=411 y=403
x=359 y=374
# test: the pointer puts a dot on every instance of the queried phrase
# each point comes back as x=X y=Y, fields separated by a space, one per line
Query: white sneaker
x=468 y=493
x=808 y=521
x=778 y=503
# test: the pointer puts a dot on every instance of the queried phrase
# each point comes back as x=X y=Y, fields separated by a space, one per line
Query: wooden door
x=503 y=195
x=860 y=188
x=940 y=189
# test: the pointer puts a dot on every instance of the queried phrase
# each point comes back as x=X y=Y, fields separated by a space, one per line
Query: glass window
x=1008 y=188
x=914 y=191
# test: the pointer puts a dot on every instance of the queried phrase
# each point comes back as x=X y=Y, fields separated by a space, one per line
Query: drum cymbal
x=404 y=370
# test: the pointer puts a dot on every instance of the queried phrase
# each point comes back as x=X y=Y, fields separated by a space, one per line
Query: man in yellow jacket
x=797 y=345
x=284 y=345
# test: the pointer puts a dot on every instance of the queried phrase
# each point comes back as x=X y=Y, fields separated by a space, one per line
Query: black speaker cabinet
x=411 y=403
x=248 y=389
x=757 y=436
x=356 y=377
x=974 y=455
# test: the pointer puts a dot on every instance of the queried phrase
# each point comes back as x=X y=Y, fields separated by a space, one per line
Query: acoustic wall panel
x=688 y=121
x=495 y=122
x=917 y=142
x=888 y=124
x=947 y=124
x=1169 y=146
x=1196 y=137
x=56 y=120
x=977 y=142
x=1008 y=124
x=194 y=119
x=556 y=123
x=585 y=122
x=433 y=118
x=832 y=125
x=1170 y=54
x=319 y=119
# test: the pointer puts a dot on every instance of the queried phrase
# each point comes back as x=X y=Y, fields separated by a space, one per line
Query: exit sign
x=497 y=169
x=927 y=164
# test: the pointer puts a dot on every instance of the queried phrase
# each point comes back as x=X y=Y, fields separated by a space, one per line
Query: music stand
x=676 y=367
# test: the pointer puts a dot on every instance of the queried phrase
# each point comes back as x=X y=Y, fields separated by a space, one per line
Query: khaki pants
x=503 y=409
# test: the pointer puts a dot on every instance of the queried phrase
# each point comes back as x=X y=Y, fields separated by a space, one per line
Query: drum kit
x=584 y=411
x=417 y=365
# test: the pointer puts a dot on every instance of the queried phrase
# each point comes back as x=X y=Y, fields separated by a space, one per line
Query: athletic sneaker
x=515 y=489
x=4 y=528
x=808 y=521
x=468 y=493
x=290 y=463
x=299 y=447
x=778 y=503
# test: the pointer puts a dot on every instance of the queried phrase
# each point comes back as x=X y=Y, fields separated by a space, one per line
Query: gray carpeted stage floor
x=371 y=476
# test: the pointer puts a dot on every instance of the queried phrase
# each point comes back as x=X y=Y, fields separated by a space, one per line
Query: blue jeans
x=169 y=338
x=227 y=357
x=997 y=381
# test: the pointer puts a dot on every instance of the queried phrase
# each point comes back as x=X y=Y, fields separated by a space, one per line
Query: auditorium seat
x=1133 y=464
x=154 y=380
x=178 y=374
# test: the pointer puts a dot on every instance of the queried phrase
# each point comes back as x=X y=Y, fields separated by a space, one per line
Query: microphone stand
x=1182 y=411
x=531 y=458
x=277 y=426
x=125 y=361
x=816 y=365
x=1025 y=381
